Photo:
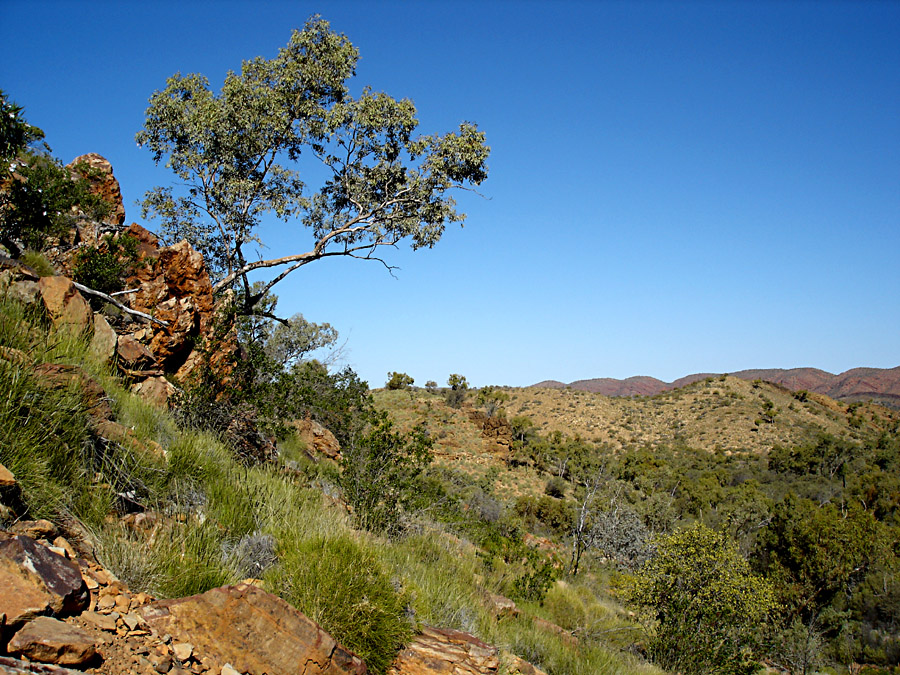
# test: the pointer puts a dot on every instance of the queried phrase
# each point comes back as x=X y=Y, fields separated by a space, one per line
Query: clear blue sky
x=674 y=187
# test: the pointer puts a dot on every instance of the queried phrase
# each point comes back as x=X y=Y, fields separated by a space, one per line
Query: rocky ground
x=62 y=613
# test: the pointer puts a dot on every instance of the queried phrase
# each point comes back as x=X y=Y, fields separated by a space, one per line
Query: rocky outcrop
x=437 y=651
x=99 y=174
x=174 y=286
x=495 y=430
x=318 y=438
x=252 y=630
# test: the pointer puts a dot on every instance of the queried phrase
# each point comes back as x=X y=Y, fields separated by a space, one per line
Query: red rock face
x=103 y=183
x=65 y=304
x=254 y=631
x=175 y=288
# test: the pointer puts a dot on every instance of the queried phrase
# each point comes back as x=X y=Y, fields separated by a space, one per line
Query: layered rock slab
x=254 y=631
x=437 y=651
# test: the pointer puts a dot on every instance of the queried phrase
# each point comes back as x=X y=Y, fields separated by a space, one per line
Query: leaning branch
x=113 y=301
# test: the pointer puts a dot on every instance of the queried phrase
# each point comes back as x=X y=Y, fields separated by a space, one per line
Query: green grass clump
x=38 y=263
x=341 y=584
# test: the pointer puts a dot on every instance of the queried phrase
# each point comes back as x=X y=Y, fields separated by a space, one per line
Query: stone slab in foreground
x=254 y=631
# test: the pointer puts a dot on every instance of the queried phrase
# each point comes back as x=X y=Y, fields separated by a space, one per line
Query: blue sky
x=674 y=187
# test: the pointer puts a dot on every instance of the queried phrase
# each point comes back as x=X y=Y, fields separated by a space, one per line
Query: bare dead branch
x=113 y=301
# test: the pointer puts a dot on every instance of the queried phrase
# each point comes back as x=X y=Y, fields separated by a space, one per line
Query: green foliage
x=38 y=199
x=815 y=553
x=386 y=185
x=398 y=381
x=704 y=602
x=15 y=133
x=459 y=389
x=555 y=514
x=555 y=487
x=491 y=399
x=379 y=470
x=38 y=263
x=341 y=585
x=105 y=268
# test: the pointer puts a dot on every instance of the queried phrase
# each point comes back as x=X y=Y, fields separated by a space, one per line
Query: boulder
x=103 y=343
x=34 y=580
x=35 y=529
x=103 y=183
x=437 y=651
x=318 y=438
x=49 y=640
x=135 y=359
x=518 y=666
x=26 y=291
x=501 y=606
x=64 y=304
x=253 y=631
x=155 y=390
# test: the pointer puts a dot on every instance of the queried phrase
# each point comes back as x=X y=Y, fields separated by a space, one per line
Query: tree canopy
x=238 y=153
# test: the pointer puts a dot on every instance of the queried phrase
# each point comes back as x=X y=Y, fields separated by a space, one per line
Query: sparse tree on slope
x=237 y=155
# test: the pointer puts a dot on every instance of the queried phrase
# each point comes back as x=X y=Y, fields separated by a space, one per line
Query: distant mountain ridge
x=879 y=384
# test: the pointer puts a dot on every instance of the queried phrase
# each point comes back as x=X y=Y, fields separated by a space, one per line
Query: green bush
x=104 y=268
x=704 y=604
x=398 y=381
x=379 y=472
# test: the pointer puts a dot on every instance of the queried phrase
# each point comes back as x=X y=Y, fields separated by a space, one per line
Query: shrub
x=398 y=381
x=38 y=199
x=104 y=268
x=379 y=473
x=456 y=394
x=704 y=601
x=555 y=487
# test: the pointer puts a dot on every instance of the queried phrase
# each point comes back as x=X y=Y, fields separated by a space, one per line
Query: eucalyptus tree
x=238 y=155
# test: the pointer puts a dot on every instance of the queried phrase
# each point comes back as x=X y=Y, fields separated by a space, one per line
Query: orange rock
x=64 y=304
x=436 y=651
x=103 y=184
x=50 y=640
x=252 y=630
x=34 y=580
x=318 y=438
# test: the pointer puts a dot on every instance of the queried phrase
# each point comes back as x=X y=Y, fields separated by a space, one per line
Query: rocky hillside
x=881 y=385
x=722 y=412
x=717 y=413
x=133 y=543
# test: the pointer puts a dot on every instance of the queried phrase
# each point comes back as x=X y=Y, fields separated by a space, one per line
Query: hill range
x=879 y=385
